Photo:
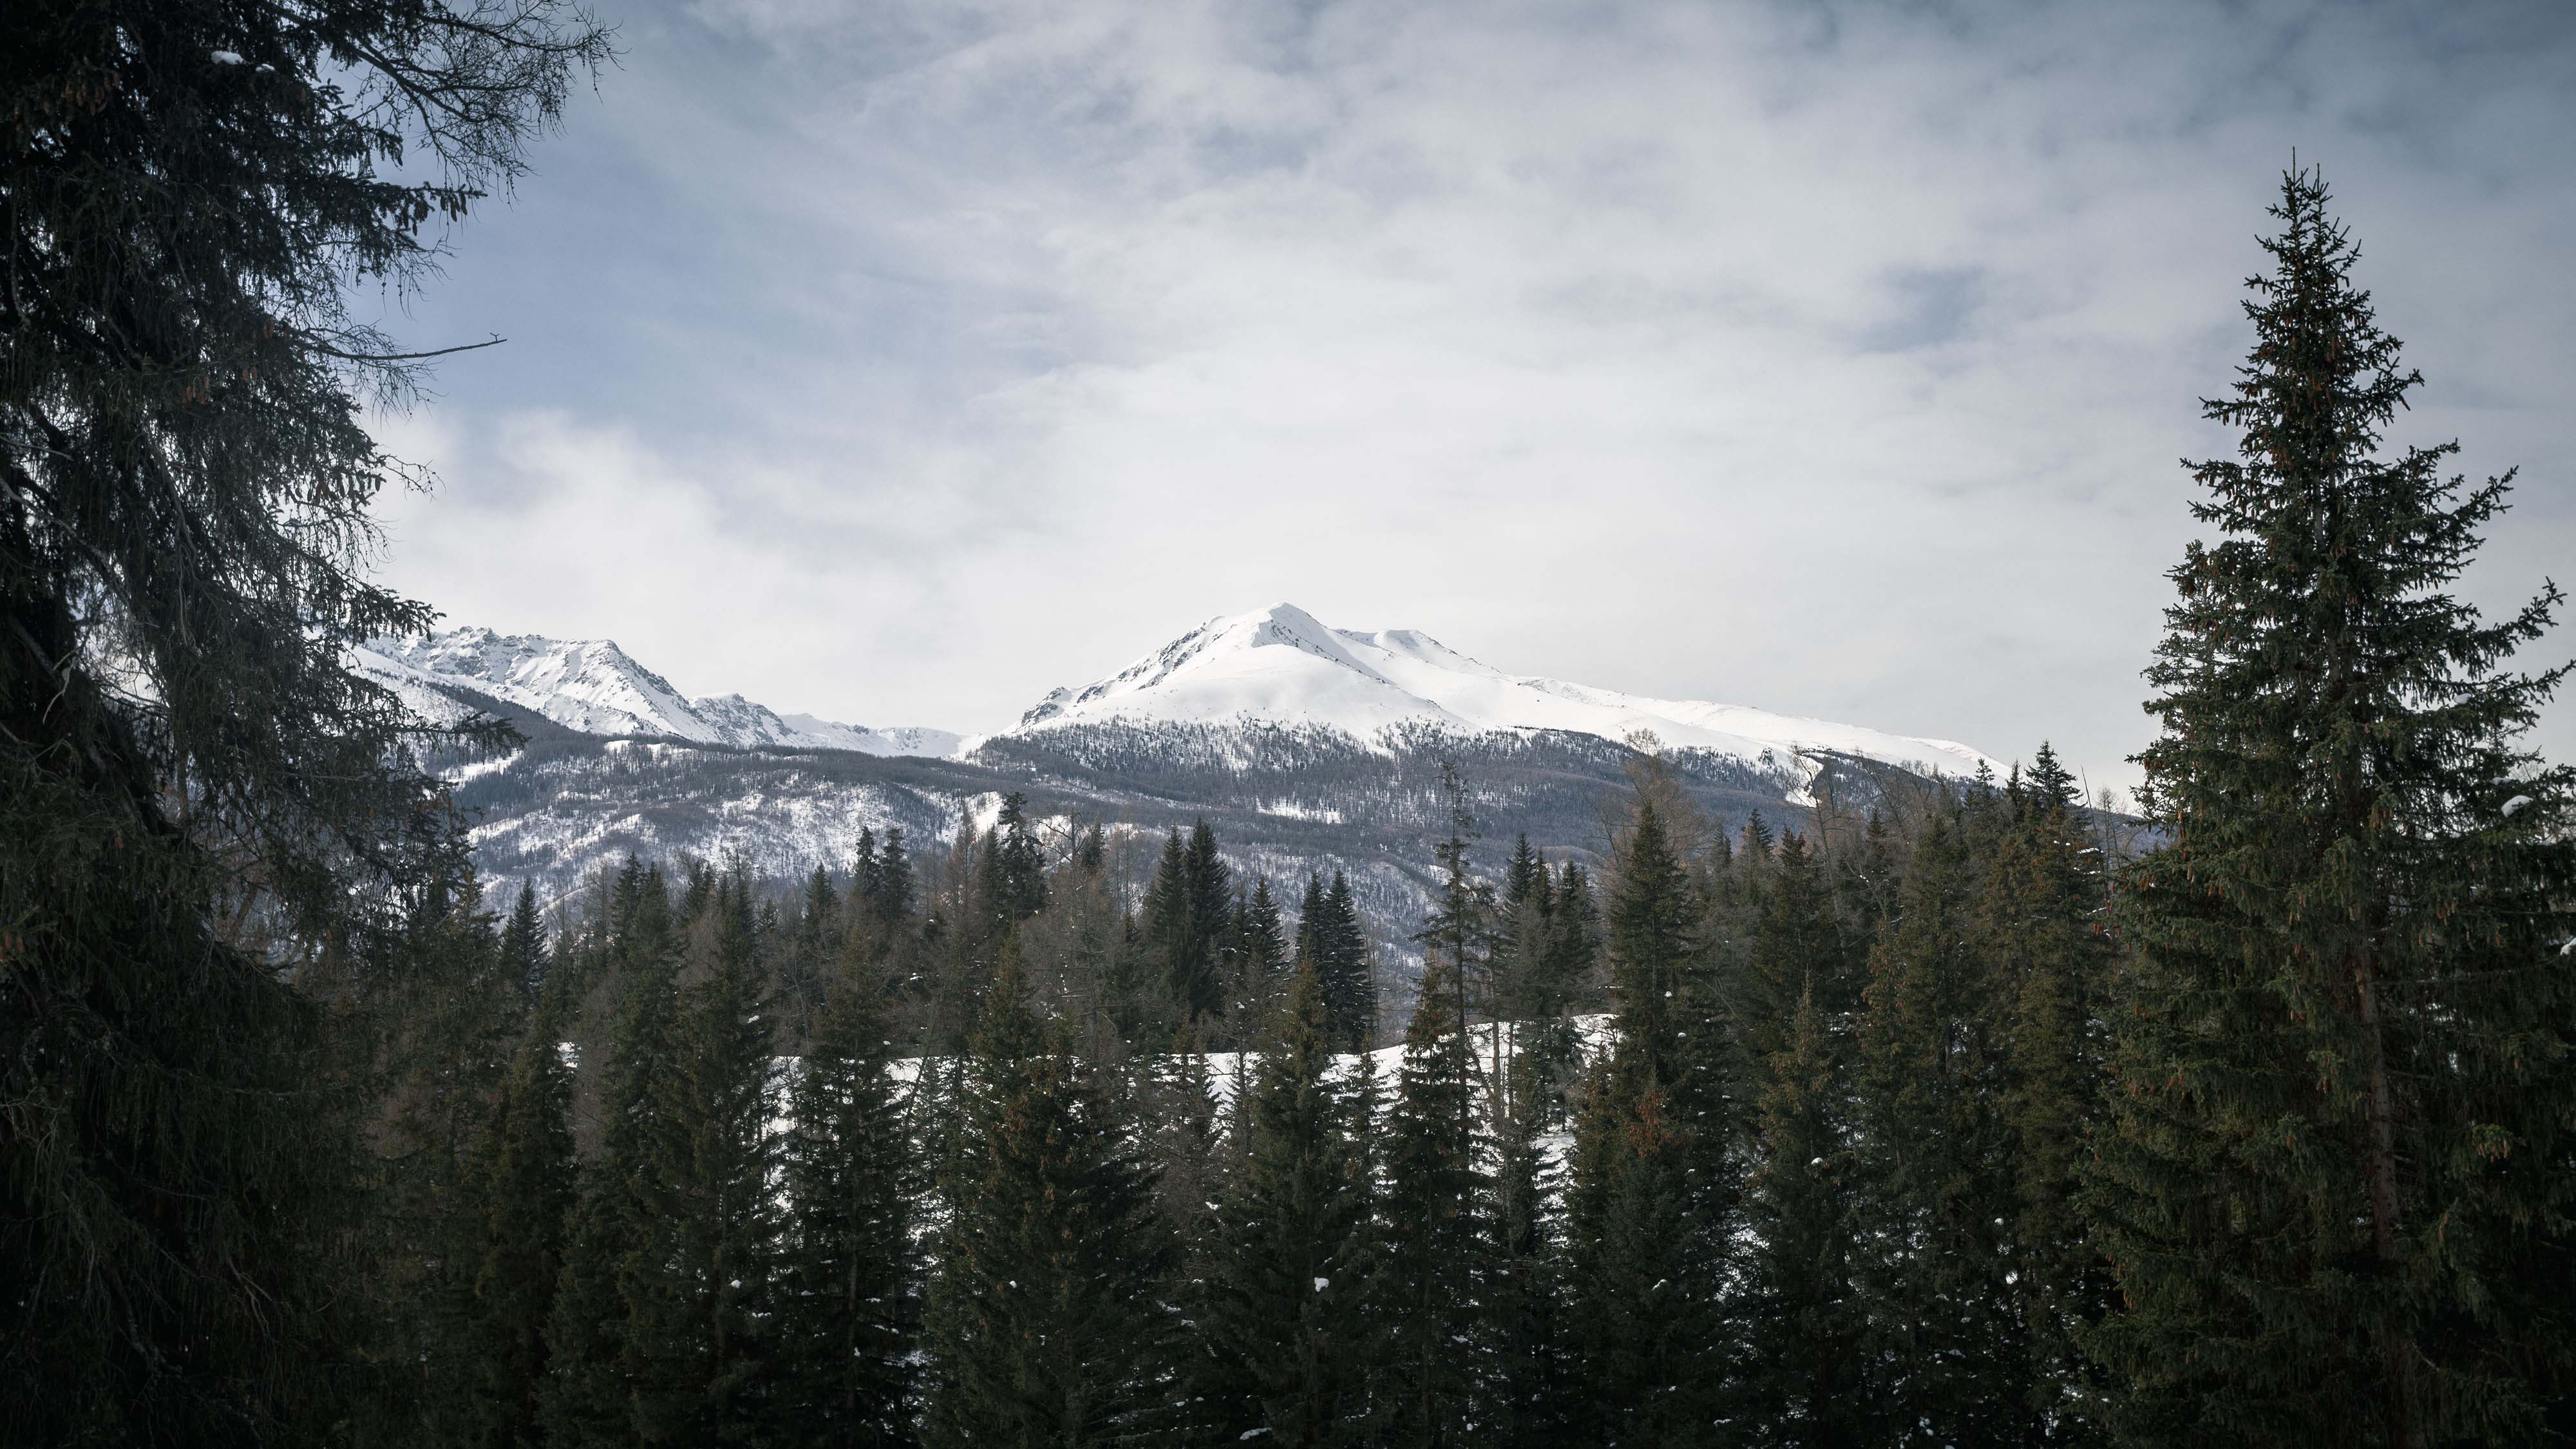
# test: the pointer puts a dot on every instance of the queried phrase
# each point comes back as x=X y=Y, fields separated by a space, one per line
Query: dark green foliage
x=1081 y=962
x=1284 y=1319
x=808 y=965
x=439 y=1024
x=1934 y=1168
x=1044 y=1324
x=586 y=1398
x=847 y=1285
x=203 y=813
x=1188 y=913
x=1437 y=1199
x=2042 y=936
x=2335 y=1181
x=524 y=1176
x=1793 y=999
x=1802 y=1373
x=1651 y=1206
x=1016 y=888
x=697 y=1282
x=1532 y=1382
x=1329 y=936
x=1260 y=952
x=885 y=880
x=524 y=957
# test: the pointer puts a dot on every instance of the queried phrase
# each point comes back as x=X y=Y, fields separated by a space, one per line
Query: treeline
x=933 y=1150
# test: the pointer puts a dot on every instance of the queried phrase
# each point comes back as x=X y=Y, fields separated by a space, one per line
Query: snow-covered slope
x=594 y=687
x=1282 y=666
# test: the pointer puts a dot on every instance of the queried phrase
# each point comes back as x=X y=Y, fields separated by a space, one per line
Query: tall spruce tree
x=448 y=1014
x=1433 y=1205
x=699 y=1282
x=1802 y=1378
x=1186 y=912
x=848 y=1289
x=2040 y=930
x=1652 y=1206
x=1022 y=860
x=523 y=944
x=1260 y=963
x=587 y=1397
x=1437 y=1199
x=1936 y=1261
x=1793 y=1013
x=1046 y=1324
x=1330 y=930
x=525 y=1177
x=1287 y=1320
x=2334 y=1182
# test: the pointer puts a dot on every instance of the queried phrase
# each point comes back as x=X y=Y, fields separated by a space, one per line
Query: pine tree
x=1933 y=1167
x=523 y=944
x=699 y=1284
x=1180 y=933
x=1286 y=1319
x=867 y=874
x=893 y=896
x=1531 y=1367
x=1211 y=894
x=1574 y=941
x=208 y=815
x=1525 y=876
x=526 y=1181
x=2040 y=932
x=847 y=1301
x=1802 y=1377
x=1434 y=1205
x=2334 y=1181
x=1045 y=1326
x=1791 y=1001
x=806 y=967
x=1261 y=963
x=1652 y=1204
x=1020 y=889
x=449 y=1011
x=1330 y=931
x=587 y=1397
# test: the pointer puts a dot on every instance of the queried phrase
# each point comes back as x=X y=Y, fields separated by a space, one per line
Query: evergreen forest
x=1980 y=1115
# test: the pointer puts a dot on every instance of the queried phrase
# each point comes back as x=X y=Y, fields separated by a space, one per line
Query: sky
x=897 y=362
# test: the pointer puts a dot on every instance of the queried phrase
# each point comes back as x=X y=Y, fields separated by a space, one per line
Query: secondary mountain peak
x=593 y=687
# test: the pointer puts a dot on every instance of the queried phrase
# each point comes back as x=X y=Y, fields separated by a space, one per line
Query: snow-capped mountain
x=1281 y=667
x=592 y=687
x=1304 y=746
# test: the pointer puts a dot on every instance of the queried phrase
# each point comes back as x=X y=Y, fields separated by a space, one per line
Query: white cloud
x=903 y=361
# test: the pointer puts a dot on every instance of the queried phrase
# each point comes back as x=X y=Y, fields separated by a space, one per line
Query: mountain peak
x=1283 y=666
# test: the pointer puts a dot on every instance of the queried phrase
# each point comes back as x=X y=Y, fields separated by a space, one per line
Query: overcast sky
x=897 y=362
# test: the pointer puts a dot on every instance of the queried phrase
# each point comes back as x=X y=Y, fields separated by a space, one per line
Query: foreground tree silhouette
x=195 y=794
x=2335 y=1182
